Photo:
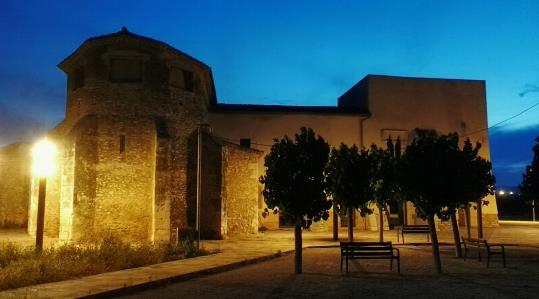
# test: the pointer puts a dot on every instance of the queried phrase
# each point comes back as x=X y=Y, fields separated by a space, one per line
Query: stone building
x=140 y=115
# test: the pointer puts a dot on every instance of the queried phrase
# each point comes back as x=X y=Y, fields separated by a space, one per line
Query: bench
x=413 y=229
x=370 y=250
x=491 y=249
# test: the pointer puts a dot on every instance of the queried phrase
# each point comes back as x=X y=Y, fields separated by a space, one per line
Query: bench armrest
x=398 y=252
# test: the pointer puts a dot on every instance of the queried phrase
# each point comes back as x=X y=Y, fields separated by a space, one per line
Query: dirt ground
x=370 y=278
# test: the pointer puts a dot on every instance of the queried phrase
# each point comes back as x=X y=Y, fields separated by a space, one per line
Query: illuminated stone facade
x=14 y=185
x=128 y=147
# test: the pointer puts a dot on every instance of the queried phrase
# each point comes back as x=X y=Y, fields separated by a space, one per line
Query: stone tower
x=133 y=104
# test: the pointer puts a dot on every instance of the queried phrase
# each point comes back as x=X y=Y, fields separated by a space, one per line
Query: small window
x=182 y=79
x=126 y=70
x=245 y=142
x=77 y=79
x=122 y=144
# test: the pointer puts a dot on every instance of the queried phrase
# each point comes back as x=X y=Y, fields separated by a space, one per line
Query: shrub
x=187 y=238
x=21 y=266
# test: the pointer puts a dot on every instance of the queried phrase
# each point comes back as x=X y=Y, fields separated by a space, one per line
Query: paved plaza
x=367 y=279
x=251 y=267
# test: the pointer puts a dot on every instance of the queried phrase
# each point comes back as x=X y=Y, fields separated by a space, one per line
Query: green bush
x=21 y=266
x=187 y=238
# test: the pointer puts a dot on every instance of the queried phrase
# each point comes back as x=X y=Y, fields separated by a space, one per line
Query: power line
x=503 y=121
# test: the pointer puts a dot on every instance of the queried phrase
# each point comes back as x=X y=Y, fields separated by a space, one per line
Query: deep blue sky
x=289 y=52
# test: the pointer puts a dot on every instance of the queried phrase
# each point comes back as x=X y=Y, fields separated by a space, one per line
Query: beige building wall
x=398 y=105
x=262 y=127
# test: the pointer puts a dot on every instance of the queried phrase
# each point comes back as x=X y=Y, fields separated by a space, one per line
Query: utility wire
x=503 y=121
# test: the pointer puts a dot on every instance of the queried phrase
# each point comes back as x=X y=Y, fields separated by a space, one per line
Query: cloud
x=513 y=168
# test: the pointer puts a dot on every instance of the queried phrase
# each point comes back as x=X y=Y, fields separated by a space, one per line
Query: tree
x=477 y=181
x=530 y=180
x=294 y=183
x=349 y=179
x=384 y=178
x=473 y=180
x=426 y=176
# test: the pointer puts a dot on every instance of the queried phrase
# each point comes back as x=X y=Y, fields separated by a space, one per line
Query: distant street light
x=43 y=164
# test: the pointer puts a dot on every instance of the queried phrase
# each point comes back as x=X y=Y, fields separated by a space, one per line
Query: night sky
x=300 y=53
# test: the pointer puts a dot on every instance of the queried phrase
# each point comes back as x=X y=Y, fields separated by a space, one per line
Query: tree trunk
x=479 y=220
x=468 y=219
x=404 y=213
x=435 y=247
x=388 y=215
x=350 y=224
x=456 y=235
x=335 y=223
x=381 y=226
x=298 y=246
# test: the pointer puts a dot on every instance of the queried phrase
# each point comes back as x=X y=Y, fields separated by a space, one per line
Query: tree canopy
x=385 y=180
x=530 y=179
x=349 y=174
x=294 y=181
x=425 y=169
x=476 y=179
x=429 y=175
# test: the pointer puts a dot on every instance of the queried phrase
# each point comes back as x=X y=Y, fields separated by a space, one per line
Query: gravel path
x=369 y=278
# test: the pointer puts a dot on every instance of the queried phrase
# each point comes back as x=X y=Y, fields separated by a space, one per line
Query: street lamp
x=43 y=164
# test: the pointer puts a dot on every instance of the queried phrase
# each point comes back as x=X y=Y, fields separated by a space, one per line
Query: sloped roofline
x=419 y=78
x=125 y=32
x=255 y=108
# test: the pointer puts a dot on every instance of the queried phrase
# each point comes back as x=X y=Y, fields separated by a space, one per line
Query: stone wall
x=15 y=173
x=154 y=94
x=162 y=197
x=211 y=205
x=229 y=196
x=240 y=189
x=125 y=176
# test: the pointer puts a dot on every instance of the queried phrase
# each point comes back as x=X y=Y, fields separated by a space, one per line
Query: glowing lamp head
x=43 y=154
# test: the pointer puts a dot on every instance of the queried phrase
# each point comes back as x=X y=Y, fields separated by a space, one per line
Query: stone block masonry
x=240 y=189
x=15 y=173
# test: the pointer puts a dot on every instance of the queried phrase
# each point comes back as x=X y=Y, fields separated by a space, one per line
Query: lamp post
x=43 y=154
x=533 y=210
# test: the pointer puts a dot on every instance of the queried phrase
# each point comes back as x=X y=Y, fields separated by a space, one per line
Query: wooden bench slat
x=413 y=229
x=369 y=250
x=366 y=248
